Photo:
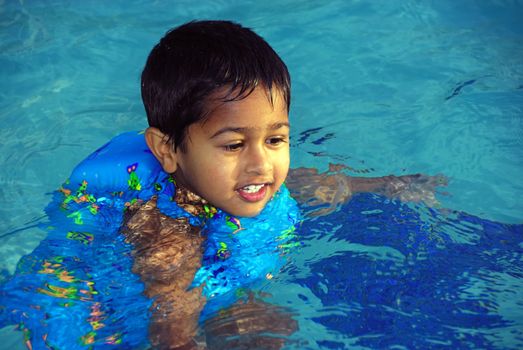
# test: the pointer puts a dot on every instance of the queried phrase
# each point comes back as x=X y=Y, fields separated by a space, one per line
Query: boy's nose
x=258 y=162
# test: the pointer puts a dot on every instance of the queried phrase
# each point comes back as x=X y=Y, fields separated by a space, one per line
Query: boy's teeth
x=252 y=188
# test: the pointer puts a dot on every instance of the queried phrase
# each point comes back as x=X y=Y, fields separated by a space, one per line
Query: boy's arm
x=167 y=253
x=253 y=324
x=332 y=188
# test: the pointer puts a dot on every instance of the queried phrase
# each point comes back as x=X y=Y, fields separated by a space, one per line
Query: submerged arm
x=167 y=253
x=254 y=324
x=332 y=188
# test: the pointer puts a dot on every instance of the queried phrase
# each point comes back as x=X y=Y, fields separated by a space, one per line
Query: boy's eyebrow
x=274 y=126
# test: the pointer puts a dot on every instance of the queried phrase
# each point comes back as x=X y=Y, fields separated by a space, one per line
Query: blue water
x=383 y=87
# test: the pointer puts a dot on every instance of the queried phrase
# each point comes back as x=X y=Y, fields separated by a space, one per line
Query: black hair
x=197 y=59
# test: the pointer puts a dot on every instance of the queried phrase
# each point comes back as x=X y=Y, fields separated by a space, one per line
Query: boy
x=217 y=99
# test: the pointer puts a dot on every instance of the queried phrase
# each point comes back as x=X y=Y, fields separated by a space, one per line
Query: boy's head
x=201 y=60
x=217 y=98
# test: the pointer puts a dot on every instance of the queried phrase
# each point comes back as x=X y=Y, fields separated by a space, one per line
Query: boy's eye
x=274 y=141
x=233 y=147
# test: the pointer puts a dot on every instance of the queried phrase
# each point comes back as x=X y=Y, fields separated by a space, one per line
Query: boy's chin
x=246 y=212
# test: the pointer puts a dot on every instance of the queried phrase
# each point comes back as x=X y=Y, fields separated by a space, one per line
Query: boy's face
x=239 y=156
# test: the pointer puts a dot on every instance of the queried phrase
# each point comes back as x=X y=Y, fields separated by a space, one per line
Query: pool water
x=382 y=87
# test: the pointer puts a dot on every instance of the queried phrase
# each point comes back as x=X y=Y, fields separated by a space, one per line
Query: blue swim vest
x=76 y=289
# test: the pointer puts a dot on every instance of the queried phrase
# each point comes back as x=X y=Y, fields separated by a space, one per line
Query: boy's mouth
x=253 y=193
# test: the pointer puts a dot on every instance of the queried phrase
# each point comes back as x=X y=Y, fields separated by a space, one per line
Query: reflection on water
x=380 y=274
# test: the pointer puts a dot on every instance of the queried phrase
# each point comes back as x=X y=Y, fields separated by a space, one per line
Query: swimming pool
x=382 y=87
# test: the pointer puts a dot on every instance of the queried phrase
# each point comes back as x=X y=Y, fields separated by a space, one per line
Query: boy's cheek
x=286 y=163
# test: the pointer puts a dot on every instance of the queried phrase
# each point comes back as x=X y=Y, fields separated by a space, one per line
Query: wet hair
x=197 y=60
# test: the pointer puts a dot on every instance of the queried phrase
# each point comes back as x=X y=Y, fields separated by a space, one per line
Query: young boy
x=217 y=99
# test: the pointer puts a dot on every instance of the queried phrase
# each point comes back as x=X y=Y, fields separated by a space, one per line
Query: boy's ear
x=161 y=148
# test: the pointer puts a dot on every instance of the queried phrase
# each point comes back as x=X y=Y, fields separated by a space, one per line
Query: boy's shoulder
x=160 y=241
